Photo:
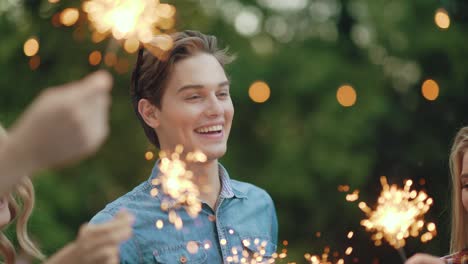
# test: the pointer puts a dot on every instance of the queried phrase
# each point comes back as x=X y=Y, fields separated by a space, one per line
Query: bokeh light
x=110 y=59
x=31 y=47
x=442 y=19
x=131 y=45
x=430 y=90
x=34 y=62
x=127 y=19
x=149 y=155
x=95 y=58
x=346 y=95
x=259 y=92
x=69 y=16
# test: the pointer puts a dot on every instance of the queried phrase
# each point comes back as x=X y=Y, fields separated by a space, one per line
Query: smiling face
x=196 y=108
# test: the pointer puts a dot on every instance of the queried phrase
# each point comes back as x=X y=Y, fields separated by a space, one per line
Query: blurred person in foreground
x=459 y=234
x=182 y=96
x=62 y=125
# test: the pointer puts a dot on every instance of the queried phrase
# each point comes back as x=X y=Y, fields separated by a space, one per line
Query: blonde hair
x=459 y=239
x=20 y=204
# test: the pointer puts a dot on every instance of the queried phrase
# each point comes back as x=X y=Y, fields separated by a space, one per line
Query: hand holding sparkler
x=62 y=125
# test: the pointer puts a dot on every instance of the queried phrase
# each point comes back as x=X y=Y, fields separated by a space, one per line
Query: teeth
x=210 y=129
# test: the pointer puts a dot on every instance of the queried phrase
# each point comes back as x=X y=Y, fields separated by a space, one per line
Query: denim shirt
x=244 y=225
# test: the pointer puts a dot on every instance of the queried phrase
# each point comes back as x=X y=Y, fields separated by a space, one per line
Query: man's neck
x=206 y=177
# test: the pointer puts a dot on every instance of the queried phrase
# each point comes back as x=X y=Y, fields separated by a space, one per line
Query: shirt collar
x=228 y=188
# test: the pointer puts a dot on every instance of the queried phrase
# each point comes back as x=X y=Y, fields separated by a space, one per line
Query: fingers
x=100 y=243
x=111 y=233
x=99 y=79
x=115 y=230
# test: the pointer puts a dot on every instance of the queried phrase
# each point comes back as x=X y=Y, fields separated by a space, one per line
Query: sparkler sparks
x=129 y=19
x=176 y=183
x=324 y=258
x=399 y=214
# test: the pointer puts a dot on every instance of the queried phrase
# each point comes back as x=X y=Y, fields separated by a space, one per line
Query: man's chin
x=213 y=153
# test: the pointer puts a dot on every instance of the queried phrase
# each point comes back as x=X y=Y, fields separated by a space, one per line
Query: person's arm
x=424 y=259
x=96 y=243
x=64 y=124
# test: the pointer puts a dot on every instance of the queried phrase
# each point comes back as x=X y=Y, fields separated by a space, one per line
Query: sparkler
x=256 y=256
x=129 y=19
x=324 y=258
x=398 y=215
x=176 y=183
x=135 y=22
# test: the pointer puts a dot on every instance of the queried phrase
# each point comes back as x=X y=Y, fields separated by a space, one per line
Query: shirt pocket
x=258 y=248
x=181 y=254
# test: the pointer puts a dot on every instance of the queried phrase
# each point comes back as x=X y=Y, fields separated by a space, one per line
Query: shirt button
x=183 y=259
x=212 y=218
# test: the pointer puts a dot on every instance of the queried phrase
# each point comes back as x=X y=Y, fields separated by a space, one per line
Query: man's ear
x=148 y=112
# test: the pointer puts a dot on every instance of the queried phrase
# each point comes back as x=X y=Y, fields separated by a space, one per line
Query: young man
x=182 y=97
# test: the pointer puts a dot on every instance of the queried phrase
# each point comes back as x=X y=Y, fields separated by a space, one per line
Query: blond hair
x=20 y=203
x=459 y=239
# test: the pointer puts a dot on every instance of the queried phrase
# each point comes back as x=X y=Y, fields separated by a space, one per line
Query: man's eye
x=223 y=94
x=465 y=186
x=193 y=97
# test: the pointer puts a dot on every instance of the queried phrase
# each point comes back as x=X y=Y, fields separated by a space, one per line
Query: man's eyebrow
x=464 y=176
x=200 y=86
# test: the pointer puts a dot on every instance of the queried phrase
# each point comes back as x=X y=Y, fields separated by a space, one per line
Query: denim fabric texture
x=243 y=225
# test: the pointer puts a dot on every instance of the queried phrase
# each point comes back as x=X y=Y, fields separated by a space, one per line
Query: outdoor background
x=300 y=145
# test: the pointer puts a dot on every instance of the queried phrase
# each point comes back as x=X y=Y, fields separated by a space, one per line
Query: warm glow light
x=110 y=59
x=31 y=47
x=95 y=58
x=175 y=182
x=165 y=10
x=346 y=96
x=126 y=19
x=430 y=90
x=192 y=247
x=54 y=1
x=34 y=62
x=159 y=224
x=69 y=16
x=399 y=213
x=149 y=155
x=131 y=45
x=325 y=257
x=97 y=37
x=442 y=18
x=352 y=196
x=259 y=92
x=350 y=234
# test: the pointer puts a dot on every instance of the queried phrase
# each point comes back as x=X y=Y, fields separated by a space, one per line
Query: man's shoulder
x=132 y=201
x=250 y=190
